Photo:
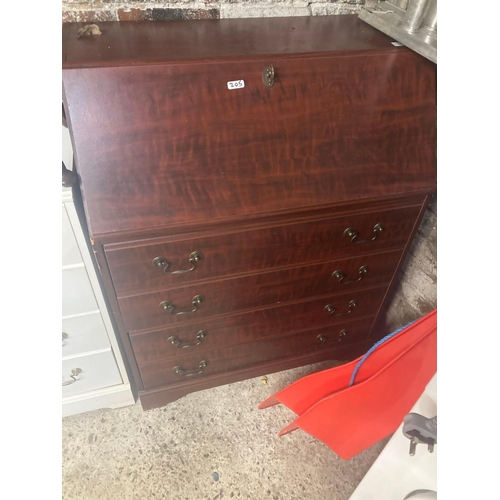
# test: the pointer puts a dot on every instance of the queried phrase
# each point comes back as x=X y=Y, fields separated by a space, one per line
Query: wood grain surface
x=166 y=394
x=242 y=328
x=254 y=291
x=240 y=252
x=150 y=42
x=242 y=356
x=331 y=129
x=262 y=180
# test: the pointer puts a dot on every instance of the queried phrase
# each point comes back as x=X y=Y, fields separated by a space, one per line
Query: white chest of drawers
x=93 y=372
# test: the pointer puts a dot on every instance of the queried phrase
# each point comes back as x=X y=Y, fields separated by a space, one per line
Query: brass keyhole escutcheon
x=268 y=76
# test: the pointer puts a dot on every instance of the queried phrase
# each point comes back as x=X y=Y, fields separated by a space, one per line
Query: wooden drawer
x=98 y=371
x=84 y=334
x=242 y=356
x=254 y=291
x=251 y=326
x=133 y=267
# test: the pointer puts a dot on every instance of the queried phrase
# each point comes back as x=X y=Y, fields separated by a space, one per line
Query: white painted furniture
x=93 y=373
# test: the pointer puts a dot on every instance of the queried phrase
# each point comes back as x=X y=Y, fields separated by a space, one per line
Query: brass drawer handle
x=340 y=275
x=74 y=375
x=168 y=306
x=194 y=257
x=175 y=340
x=268 y=76
x=182 y=371
x=352 y=304
x=323 y=339
x=350 y=232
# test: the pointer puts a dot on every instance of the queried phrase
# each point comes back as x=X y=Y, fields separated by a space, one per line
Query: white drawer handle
x=74 y=375
x=64 y=337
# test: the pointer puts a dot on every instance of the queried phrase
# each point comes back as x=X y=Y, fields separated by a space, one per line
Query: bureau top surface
x=156 y=42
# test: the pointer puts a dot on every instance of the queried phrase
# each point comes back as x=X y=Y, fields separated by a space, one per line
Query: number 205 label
x=236 y=84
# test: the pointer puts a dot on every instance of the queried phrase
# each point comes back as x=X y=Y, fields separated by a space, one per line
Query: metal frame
x=415 y=27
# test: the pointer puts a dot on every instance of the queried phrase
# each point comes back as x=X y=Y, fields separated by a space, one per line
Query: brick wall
x=134 y=10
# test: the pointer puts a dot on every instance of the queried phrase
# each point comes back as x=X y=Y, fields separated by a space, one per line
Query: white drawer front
x=77 y=294
x=98 y=371
x=84 y=334
x=70 y=251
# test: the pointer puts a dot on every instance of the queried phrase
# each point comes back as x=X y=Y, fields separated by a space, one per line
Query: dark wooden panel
x=262 y=178
x=242 y=328
x=239 y=252
x=162 y=396
x=155 y=42
x=122 y=239
x=331 y=129
x=242 y=356
x=252 y=292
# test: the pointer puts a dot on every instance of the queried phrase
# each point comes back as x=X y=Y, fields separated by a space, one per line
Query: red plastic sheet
x=388 y=383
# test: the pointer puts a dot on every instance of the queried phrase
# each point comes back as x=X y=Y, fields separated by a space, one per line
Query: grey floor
x=208 y=445
x=215 y=444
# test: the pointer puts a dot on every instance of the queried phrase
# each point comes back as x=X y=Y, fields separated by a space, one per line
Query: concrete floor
x=174 y=452
x=215 y=444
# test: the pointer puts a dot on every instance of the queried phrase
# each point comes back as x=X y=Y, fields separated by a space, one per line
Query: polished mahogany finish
x=253 y=291
x=141 y=43
x=239 y=252
x=154 y=398
x=254 y=325
x=315 y=136
x=238 y=231
x=245 y=355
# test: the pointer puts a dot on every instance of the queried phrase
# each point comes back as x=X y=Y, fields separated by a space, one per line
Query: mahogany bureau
x=250 y=186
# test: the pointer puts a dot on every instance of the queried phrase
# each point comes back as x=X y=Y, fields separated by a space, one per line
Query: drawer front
x=77 y=294
x=250 y=292
x=243 y=356
x=251 y=326
x=331 y=129
x=155 y=266
x=70 y=251
x=97 y=371
x=83 y=334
